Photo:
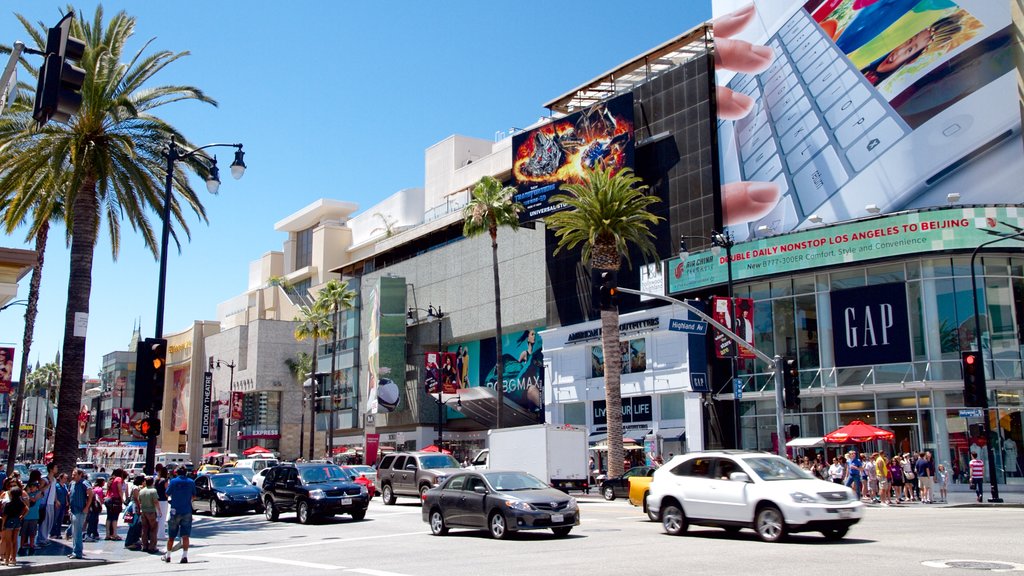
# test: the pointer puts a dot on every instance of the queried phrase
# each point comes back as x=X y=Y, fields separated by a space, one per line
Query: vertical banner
x=207 y=396
x=441 y=371
x=372 y=447
x=179 y=402
x=237 y=399
x=740 y=318
x=6 y=368
x=722 y=313
x=386 y=346
x=744 y=324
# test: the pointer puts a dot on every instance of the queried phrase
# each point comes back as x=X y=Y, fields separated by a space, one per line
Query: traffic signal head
x=791 y=383
x=608 y=289
x=974 y=379
x=150 y=427
x=60 y=81
x=150 y=368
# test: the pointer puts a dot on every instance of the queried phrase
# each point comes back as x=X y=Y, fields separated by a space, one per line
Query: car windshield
x=368 y=470
x=226 y=480
x=438 y=461
x=248 y=473
x=321 y=474
x=774 y=468
x=514 y=481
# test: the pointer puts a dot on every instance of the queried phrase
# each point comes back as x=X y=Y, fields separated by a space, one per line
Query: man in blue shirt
x=180 y=492
x=854 y=468
x=80 y=500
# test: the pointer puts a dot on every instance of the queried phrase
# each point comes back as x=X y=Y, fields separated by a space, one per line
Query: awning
x=672 y=433
x=628 y=436
x=637 y=435
x=480 y=404
x=805 y=442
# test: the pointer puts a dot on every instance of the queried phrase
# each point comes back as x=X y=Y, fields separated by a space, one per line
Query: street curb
x=54 y=566
x=985 y=505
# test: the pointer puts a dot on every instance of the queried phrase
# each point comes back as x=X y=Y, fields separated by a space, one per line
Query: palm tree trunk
x=312 y=403
x=84 y=228
x=334 y=361
x=30 y=325
x=499 y=367
x=612 y=389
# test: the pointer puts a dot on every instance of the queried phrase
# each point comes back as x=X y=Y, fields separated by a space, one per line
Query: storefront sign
x=207 y=396
x=869 y=325
x=595 y=333
x=634 y=409
x=890 y=236
x=372 y=447
x=652 y=280
x=699 y=382
x=970 y=412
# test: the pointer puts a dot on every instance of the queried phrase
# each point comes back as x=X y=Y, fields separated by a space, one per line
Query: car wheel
x=358 y=514
x=562 y=531
x=650 y=513
x=423 y=492
x=387 y=495
x=769 y=524
x=609 y=493
x=497 y=526
x=673 y=519
x=835 y=533
x=303 y=513
x=215 y=508
x=437 y=525
x=269 y=510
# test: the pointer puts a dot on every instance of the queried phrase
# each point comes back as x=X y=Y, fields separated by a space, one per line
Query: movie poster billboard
x=237 y=405
x=6 y=369
x=386 y=346
x=845 y=109
x=441 y=373
x=523 y=353
x=740 y=317
x=562 y=150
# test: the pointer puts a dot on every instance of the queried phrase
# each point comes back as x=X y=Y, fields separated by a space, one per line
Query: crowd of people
x=34 y=511
x=883 y=479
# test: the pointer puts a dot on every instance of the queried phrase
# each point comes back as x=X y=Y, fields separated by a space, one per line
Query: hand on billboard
x=741 y=201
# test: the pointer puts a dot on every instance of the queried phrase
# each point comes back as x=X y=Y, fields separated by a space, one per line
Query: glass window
x=575 y=413
x=782 y=288
x=694 y=467
x=763 y=327
x=760 y=291
x=803 y=285
x=937 y=268
x=784 y=327
x=915 y=310
x=847 y=279
x=672 y=406
x=303 y=248
x=1002 y=340
x=455 y=483
x=807 y=332
x=885 y=274
x=400 y=463
x=473 y=482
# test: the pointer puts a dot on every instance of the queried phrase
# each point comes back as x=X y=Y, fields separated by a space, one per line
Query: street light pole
x=174 y=154
x=231 y=402
x=983 y=392
x=725 y=240
x=439 y=315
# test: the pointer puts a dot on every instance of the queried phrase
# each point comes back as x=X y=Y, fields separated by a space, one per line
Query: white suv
x=734 y=490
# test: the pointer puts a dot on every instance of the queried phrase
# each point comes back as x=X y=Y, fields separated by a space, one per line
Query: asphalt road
x=614 y=538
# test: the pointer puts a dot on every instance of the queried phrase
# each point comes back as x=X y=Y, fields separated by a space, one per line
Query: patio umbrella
x=433 y=448
x=255 y=450
x=212 y=455
x=856 y=432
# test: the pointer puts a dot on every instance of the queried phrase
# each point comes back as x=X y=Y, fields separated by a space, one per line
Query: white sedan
x=734 y=490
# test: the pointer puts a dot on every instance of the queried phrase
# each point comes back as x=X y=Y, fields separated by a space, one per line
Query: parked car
x=93 y=476
x=259 y=477
x=360 y=478
x=257 y=464
x=618 y=486
x=135 y=468
x=312 y=491
x=413 y=473
x=501 y=502
x=208 y=469
x=639 y=488
x=220 y=494
x=368 y=471
x=735 y=489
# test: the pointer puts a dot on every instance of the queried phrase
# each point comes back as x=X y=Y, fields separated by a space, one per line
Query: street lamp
x=983 y=389
x=175 y=153
x=437 y=314
x=231 y=401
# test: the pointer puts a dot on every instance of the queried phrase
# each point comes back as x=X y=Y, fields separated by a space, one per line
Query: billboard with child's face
x=832 y=110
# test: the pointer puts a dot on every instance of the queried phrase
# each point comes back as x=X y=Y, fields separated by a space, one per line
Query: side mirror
x=479 y=489
x=410 y=466
x=739 y=477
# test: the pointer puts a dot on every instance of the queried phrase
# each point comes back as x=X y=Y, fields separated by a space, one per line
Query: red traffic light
x=969 y=359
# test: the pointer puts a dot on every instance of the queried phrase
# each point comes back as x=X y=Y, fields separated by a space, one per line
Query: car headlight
x=222 y=496
x=438 y=480
x=572 y=506
x=519 y=505
x=316 y=494
x=803 y=498
x=362 y=489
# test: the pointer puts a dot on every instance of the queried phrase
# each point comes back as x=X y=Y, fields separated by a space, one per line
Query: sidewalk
x=54 y=557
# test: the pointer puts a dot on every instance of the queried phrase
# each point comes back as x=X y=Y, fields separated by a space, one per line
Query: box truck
x=557 y=455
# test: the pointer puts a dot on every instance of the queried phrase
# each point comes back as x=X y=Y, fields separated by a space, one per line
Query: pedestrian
x=47 y=514
x=162 y=506
x=180 y=493
x=80 y=500
x=854 y=469
x=908 y=478
x=942 y=479
x=60 y=506
x=113 y=501
x=870 y=481
x=92 y=520
x=977 y=467
x=15 y=508
x=896 y=474
x=836 y=471
x=133 y=539
x=30 y=520
x=882 y=476
x=148 y=504
x=925 y=476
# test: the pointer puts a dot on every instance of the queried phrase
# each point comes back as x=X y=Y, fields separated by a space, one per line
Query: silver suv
x=413 y=473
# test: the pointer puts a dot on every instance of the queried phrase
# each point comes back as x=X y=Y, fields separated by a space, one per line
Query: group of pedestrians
x=879 y=478
x=32 y=512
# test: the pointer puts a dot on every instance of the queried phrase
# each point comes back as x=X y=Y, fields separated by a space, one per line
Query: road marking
x=373 y=572
x=272 y=560
x=316 y=543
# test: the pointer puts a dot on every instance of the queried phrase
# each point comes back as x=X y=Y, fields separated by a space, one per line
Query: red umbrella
x=856 y=432
x=255 y=450
x=433 y=448
x=213 y=454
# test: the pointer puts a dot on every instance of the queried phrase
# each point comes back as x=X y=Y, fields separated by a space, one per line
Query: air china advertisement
x=562 y=150
x=833 y=110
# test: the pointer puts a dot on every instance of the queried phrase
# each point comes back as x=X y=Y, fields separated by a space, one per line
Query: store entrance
x=907 y=439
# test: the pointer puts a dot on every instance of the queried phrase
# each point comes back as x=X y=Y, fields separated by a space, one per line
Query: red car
x=363 y=475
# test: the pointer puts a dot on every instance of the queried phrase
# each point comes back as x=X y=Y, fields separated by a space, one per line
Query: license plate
x=844 y=513
x=558 y=518
x=346 y=501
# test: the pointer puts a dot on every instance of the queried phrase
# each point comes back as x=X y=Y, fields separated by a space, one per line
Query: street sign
x=970 y=412
x=688 y=326
x=699 y=382
x=737 y=388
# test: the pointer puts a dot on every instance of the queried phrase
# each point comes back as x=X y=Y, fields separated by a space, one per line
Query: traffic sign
x=688 y=326
x=737 y=388
x=970 y=412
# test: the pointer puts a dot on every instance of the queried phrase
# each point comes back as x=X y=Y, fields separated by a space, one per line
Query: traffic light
x=150 y=427
x=607 y=289
x=974 y=379
x=60 y=81
x=150 y=368
x=791 y=383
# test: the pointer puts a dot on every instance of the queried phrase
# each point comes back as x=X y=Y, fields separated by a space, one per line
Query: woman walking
x=113 y=501
x=15 y=509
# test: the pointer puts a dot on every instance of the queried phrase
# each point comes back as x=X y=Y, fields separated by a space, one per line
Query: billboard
x=385 y=366
x=180 y=399
x=560 y=151
x=523 y=353
x=442 y=371
x=6 y=369
x=832 y=110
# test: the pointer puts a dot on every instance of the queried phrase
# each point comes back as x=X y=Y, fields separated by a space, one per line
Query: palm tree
x=111 y=154
x=490 y=207
x=608 y=214
x=313 y=323
x=301 y=368
x=333 y=298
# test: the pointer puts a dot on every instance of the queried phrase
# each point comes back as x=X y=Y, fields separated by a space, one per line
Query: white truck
x=557 y=455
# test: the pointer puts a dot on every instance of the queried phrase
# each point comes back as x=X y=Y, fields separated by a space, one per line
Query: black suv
x=312 y=490
x=413 y=473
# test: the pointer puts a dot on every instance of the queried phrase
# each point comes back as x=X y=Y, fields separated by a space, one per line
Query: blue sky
x=330 y=99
